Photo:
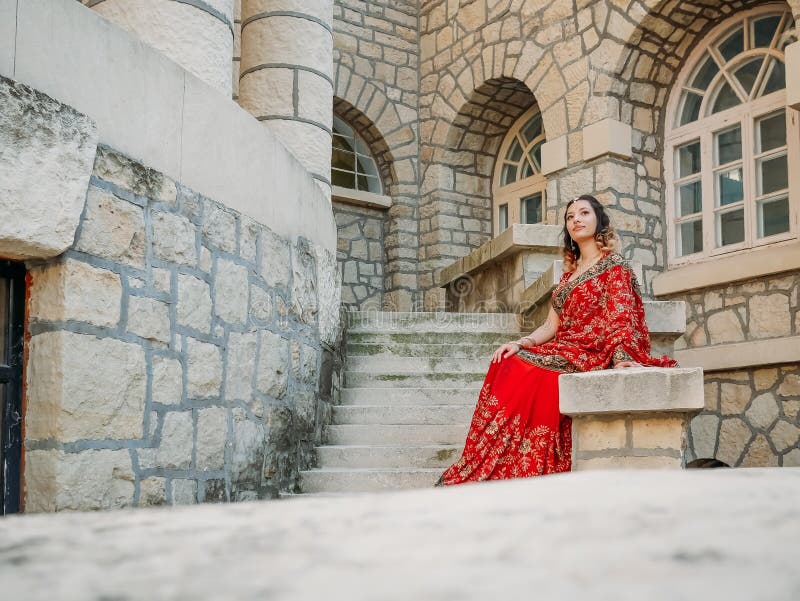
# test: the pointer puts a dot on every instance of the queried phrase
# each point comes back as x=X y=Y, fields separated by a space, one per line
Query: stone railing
x=631 y=419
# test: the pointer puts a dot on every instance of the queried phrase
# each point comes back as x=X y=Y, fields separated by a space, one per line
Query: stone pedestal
x=196 y=35
x=631 y=419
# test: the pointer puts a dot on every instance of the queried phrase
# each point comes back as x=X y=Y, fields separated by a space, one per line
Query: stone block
x=793 y=75
x=769 y=316
x=149 y=318
x=113 y=229
x=152 y=491
x=184 y=492
x=86 y=481
x=46 y=156
x=704 y=435
x=597 y=434
x=128 y=174
x=212 y=434
x=315 y=95
x=554 y=155
x=247 y=456
x=724 y=327
x=734 y=434
x=276 y=262
x=219 y=227
x=84 y=388
x=240 y=366
x=75 y=291
x=627 y=463
x=273 y=364
x=763 y=411
x=608 y=136
x=658 y=432
x=260 y=304
x=304 y=282
x=167 y=386
x=174 y=239
x=175 y=450
x=329 y=292
x=230 y=292
x=194 y=303
x=203 y=369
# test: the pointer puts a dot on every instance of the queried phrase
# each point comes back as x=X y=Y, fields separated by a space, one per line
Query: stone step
x=413 y=349
x=331 y=480
x=410 y=396
x=356 y=434
x=376 y=456
x=391 y=364
x=361 y=379
x=404 y=414
x=380 y=321
x=390 y=339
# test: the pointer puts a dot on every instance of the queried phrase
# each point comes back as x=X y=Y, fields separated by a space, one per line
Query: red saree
x=517 y=430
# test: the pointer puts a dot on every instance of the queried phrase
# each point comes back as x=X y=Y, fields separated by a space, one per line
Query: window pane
x=691 y=108
x=690 y=199
x=503 y=217
x=730 y=186
x=764 y=30
x=731 y=227
x=367 y=166
x=773 y=217
x=343 y=178
x=726 y=99
x=748 y=73
x=372 y=184
x=536 y=156
x=341 y=159
x=733 y=45
x=3 y=322
x=689 y=159
x=729 y=146
x=340 y=142
x=527 y=169
x=772 y=132
x=509 y=174
x=531 y=209
x=341 y=128
x=777 y=78
x=515 y=152
x=532 y=130
x=362 y=148
x=691 y=238
x=705 y=74
x=774 y=174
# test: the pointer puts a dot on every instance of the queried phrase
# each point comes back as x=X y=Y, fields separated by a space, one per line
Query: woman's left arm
x=626 y=330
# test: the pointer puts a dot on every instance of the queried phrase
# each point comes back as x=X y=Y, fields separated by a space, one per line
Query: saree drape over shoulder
x=517 y=430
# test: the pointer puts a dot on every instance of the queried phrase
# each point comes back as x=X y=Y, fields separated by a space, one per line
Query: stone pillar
x=287 y=76
x=196 y=34
x=634 y=418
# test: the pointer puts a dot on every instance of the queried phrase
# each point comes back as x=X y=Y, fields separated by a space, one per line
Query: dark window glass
x=733 y=44
x=764 y=30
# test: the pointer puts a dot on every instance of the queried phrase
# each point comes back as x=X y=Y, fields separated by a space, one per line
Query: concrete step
x=410 y=396
x=358 y=434
x=331 y=480
x=391 y=339
x=378 y=456
x=362 y=379
x=377 y=321
x=412 y=349
x=390 y=364
x=404 y=414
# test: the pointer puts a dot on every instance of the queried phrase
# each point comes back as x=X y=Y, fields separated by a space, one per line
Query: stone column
x=287 y=76
x=196 y=34
x=633 y=418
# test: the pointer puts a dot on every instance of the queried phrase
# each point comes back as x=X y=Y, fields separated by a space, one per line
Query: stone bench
x=634 y=418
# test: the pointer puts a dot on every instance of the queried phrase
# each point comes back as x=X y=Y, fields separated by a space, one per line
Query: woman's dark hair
x=605 y=235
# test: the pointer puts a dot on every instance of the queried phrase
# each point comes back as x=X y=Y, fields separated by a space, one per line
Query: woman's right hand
x=507 y=350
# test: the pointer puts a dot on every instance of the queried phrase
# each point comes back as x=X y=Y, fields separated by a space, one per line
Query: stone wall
x=376 y=73
x=176 y=351
x=361 y=255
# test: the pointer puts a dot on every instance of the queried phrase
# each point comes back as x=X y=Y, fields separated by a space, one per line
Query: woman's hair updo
x=605 y=236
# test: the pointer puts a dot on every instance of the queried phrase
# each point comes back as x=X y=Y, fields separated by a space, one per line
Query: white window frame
x=512 y=194
x=703 y=130
x=356 y=196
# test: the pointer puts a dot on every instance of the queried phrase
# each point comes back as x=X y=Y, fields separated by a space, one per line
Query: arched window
x=519 y=186
x=352 y=165
x=730 y=139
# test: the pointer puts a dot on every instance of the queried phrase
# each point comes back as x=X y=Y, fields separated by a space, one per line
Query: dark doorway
x=12 y=317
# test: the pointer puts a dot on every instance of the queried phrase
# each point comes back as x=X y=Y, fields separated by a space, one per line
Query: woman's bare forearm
x=543 y=333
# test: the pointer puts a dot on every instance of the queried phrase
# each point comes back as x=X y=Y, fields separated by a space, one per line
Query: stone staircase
x=410 y=386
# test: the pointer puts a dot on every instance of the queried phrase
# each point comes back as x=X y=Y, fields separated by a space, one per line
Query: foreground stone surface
x=705 y=534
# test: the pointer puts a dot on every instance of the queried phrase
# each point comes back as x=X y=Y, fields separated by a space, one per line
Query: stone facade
x=176 y=351
x=361 y=255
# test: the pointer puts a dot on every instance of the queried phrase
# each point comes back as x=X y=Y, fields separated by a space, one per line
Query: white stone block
x=174 y=239
x=212 y=433
x=288 y=40
x=149 y=318
x=175 y=450
x=46 y=157
x=230 y=292
x=204 y=369
x=793 y=76
x=273 y=365
x=315 y=96
x=194 y=303
x=81 y=387
x=241 y=366
x=268 y=92
x=554 y=155
x=631 y=390
x=608 y=136
x=113 y=229
x=167 y=381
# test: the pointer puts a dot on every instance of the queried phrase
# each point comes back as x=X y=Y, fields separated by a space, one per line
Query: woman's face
x=581 y=221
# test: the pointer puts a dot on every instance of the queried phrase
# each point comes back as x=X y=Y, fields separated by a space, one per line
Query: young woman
x=596 y=321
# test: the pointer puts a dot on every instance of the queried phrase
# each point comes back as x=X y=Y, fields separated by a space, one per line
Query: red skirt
x=517 y=430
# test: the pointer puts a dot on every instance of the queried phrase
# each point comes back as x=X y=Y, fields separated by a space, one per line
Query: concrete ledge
x=515 y=239
x=742 y=354
x=752 y=263
x=608 y=136
x=633 y=390
x=793 y=76
x=361 y=198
